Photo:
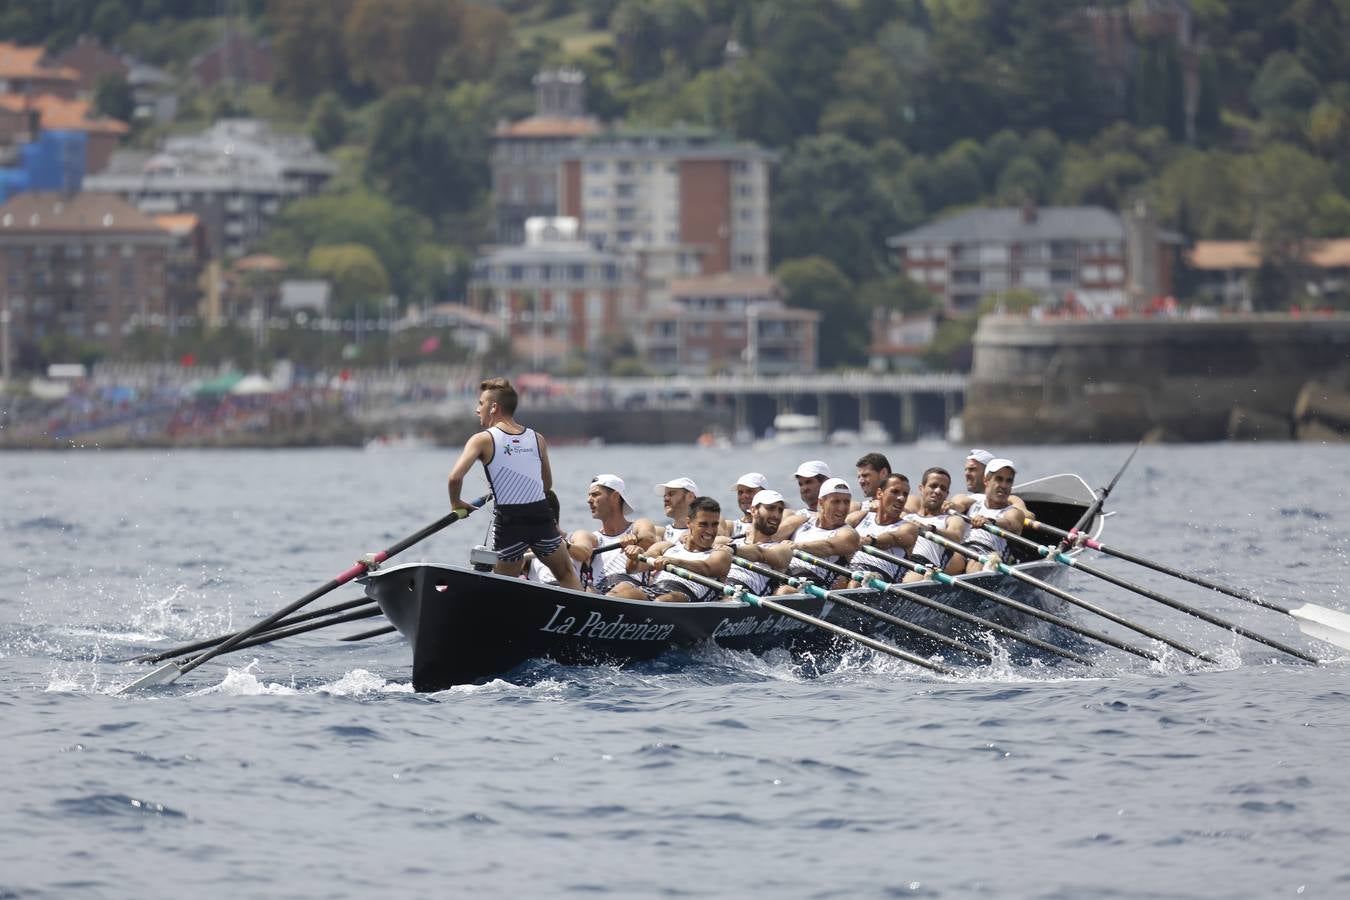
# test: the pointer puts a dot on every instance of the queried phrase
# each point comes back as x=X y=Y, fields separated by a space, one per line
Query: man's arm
x=581 y=544
x=475 y=450
x=844 y=542
x=633 y=551
x=789 y=526
x=855 y=517
x=1011 y=519
x=954 y=529
x=960 y=503
x=902 y=536
x=715 y=566
x=776 y=556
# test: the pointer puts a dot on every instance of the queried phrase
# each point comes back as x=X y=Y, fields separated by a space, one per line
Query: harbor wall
x=1066 y=380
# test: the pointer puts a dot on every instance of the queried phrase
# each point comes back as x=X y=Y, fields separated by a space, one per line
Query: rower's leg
x=511 y=567
x=625 y=591
x=560 y=564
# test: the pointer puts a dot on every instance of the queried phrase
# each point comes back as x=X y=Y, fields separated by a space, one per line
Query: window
x=625 y=214
x=624 y=167
x=966 y=277
x=625 y=190
x=515 y=273
x=596 y=166
x=1061 y=276
x=128 y=277
x=577 y=272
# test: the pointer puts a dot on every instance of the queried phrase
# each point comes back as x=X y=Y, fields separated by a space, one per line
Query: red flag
x=431 y=344
x=187 y=361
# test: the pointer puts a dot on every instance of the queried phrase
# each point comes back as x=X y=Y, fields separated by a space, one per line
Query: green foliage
x=328 y=122
x=360 y=282
x=112 y=97
x=816 y=283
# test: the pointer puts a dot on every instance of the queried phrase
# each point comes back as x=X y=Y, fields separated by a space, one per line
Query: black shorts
x=873 y=566
x=825 y=581
x=674 y=587
x=517 y=529
x=609 y=582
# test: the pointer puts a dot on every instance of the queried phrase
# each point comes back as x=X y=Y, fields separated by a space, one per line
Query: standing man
x=607 y=503
x=676 y=495
x=746 y=487
x=516 y=461
x=873 y=470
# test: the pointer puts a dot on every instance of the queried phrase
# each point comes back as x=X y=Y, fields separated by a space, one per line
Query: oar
x=942 y=577
x=765 y=603
x=835 y=597
x=998 y=565
x=173 y=669
x=1330 y=625
x=1066 y=560
x=1085 y=520
x=211 y=642
x=374 y=632
x=871 y=580
x=277 y=634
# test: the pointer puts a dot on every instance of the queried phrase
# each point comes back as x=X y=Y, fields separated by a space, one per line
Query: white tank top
x=672 y=534
x=739 y=529
x=611 y=562
x=810 y=531
x=978 y=536
x=753 y=582
x=925 y=549
x=700 y=592
x=515 y=471
x=868 y=526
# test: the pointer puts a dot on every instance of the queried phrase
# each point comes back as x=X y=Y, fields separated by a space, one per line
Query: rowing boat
x=465 y=625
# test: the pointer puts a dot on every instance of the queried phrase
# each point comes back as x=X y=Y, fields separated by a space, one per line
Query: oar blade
x=163 y=675
x=1328 y=625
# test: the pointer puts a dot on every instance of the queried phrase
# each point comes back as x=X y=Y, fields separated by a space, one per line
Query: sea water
x=309 y=768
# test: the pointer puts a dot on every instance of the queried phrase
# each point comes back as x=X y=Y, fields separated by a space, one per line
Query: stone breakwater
x=1240 y=377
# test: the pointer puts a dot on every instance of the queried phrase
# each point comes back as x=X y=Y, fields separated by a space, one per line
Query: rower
x=873 y=470
x=676 y=495
x=810 y=476
x=516 y=461
x=608 y=504
x=884 y=528
x=758 y=544
x=580 y=545
x=976 y=464
x=933 y=492
x=993 y=505
x=828 y=535
x=746 y=487
x=696 y=551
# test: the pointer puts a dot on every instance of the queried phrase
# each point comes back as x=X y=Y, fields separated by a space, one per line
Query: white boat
x=791 y=429
x=872 y=434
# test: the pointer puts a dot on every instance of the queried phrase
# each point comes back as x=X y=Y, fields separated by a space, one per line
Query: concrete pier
x=1068 y=380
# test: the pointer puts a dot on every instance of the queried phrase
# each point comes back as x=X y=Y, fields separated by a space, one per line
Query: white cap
x=980 y=456
x=812 y=468
x=615 y=484
x=686 y=483
x=995 y=464
x=751 y=479
x=835 y=486
x=767 y=498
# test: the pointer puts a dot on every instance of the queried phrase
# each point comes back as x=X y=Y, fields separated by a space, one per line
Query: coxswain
x=932 y=515
x=993 y=505
x=746 y=487
x=516 y=461
x=676 y=495
x=759 y=543
x=884 y=528
x=696 y=550
x=580 y=546
x=827 y=535
x=605 y=497
x=873 y=470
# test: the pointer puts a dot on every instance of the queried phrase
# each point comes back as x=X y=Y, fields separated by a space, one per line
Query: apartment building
x=556 y=296
x=235 y=176
x=526 y=153
x=1060 y=253
x=89 y=266
x=729 y=323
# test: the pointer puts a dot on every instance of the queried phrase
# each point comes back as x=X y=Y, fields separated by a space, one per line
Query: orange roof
x=549 y=126
x=59 y=113
x=1222 y=255
x=260 y=262
x=177 y=223
x=26 y=62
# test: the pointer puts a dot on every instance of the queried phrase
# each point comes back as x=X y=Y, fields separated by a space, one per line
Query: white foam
x=360 y=682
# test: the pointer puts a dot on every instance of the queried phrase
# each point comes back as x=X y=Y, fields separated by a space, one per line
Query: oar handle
x=617 y=545
x=346 y=576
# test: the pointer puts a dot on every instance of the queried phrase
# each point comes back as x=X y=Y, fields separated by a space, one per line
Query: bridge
x=908 y=405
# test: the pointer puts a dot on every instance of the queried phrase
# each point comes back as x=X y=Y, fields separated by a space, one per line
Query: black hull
x=466 y=626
